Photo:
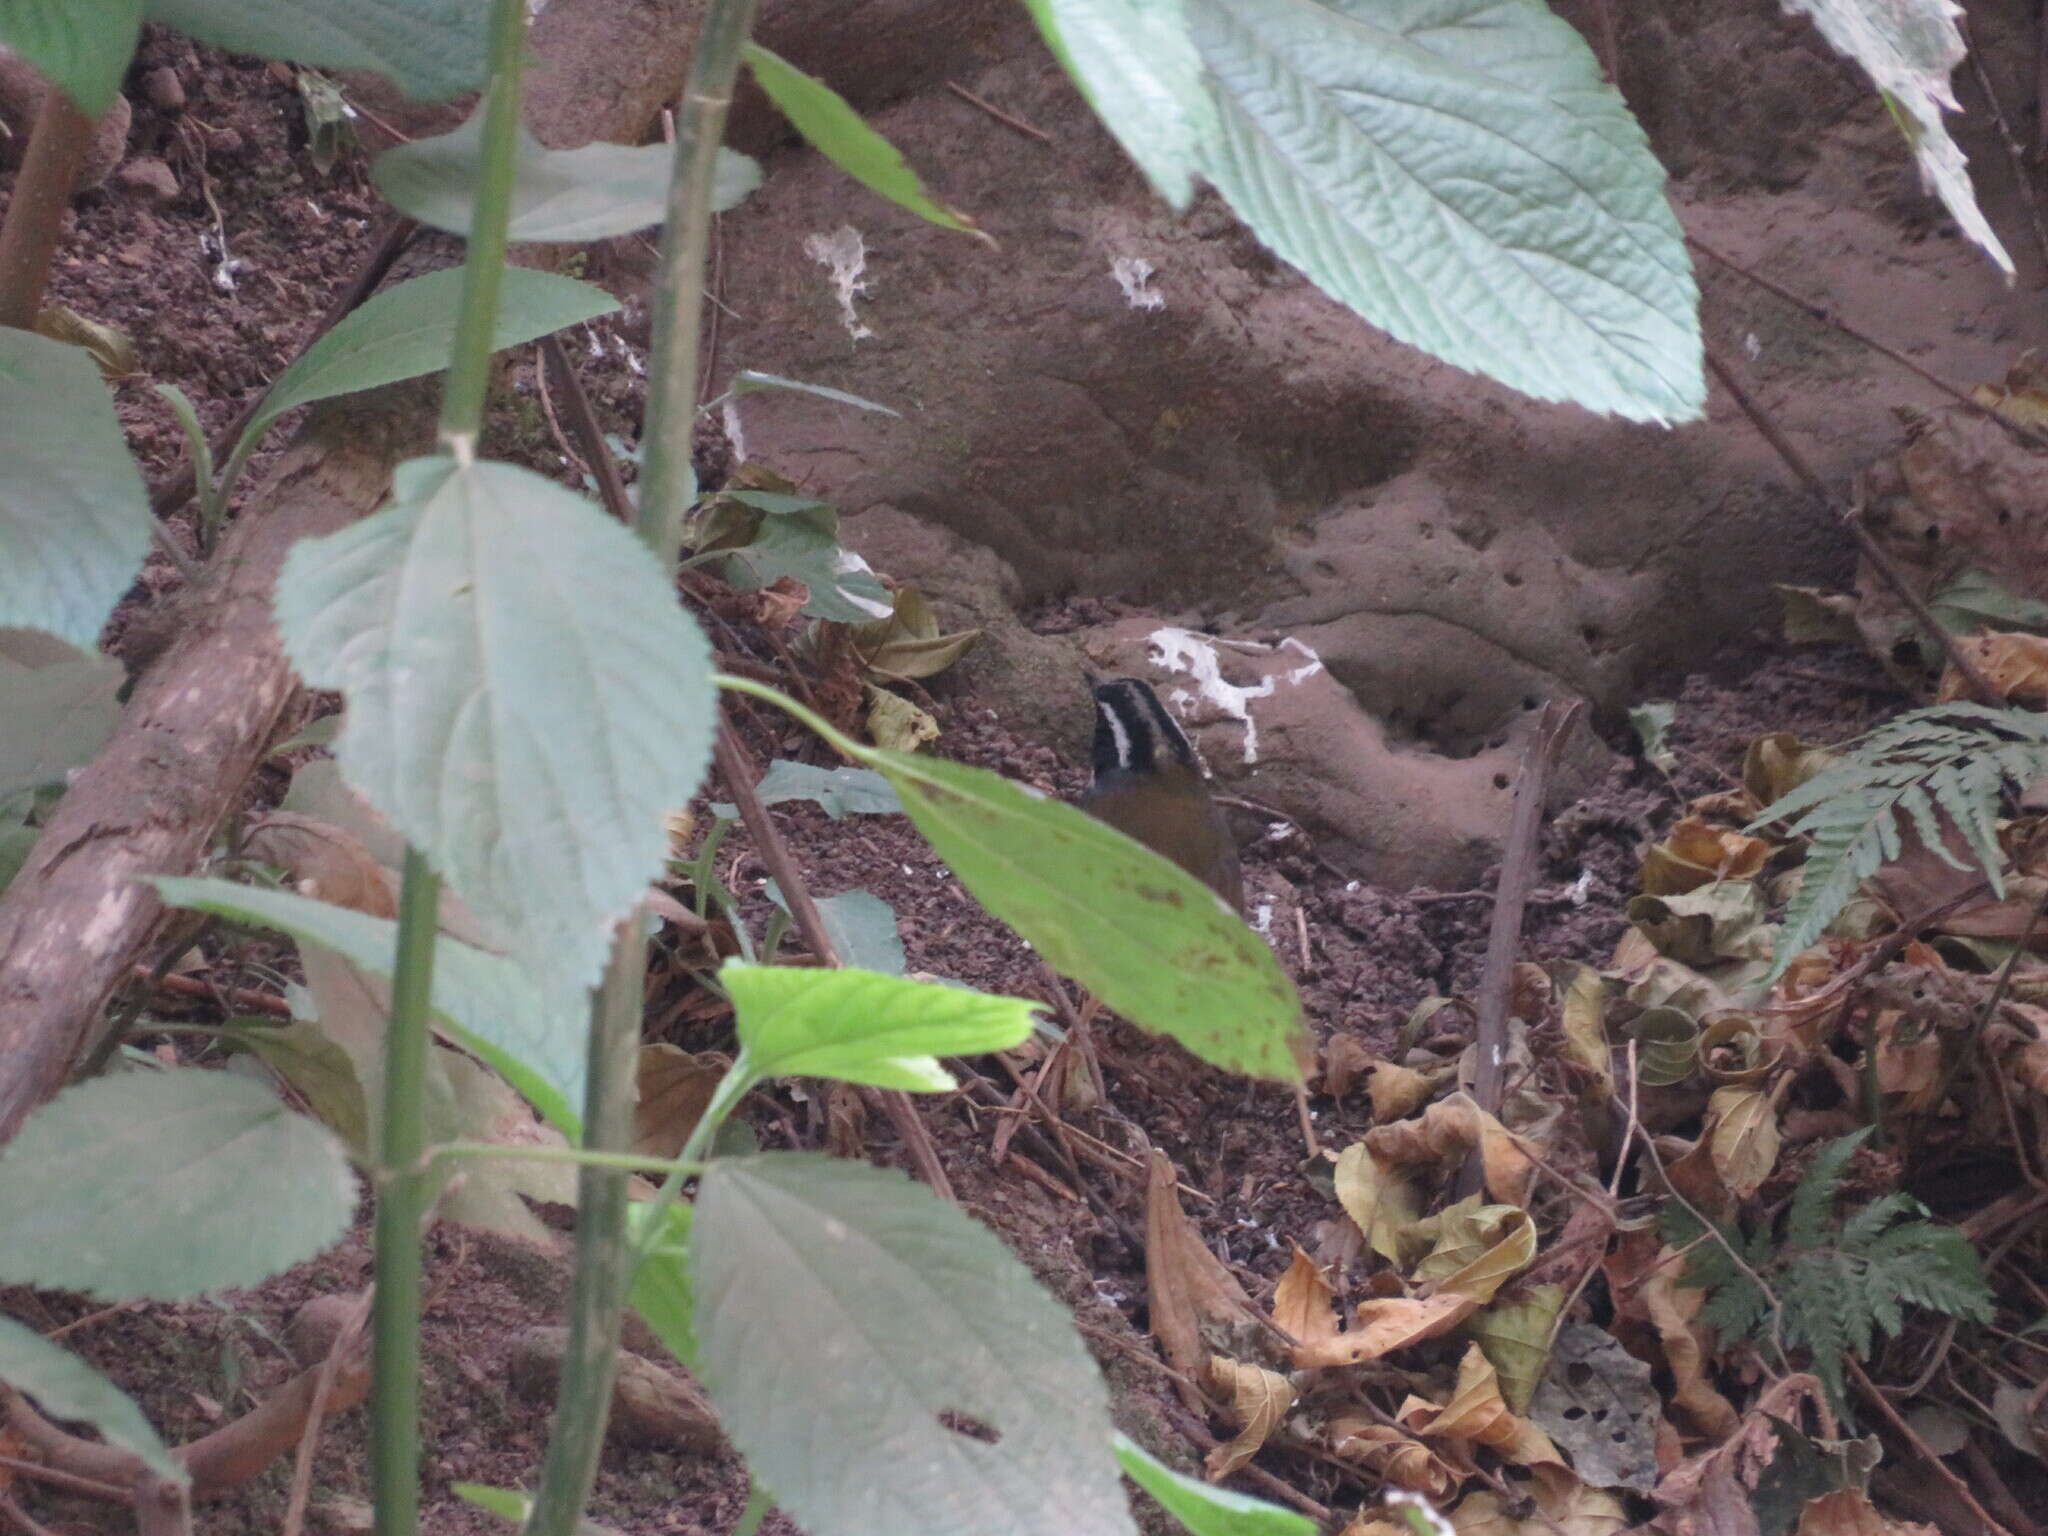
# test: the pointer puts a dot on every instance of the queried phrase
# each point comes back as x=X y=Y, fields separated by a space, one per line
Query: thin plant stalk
x=605 y=1257
x=404 y=1192
x=57 y=147
x=405 y=1176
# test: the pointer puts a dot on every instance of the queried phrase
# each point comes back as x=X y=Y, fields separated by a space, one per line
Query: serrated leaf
x=74 y=517
x=863 y=1027
x=431 y=49
x=862 y=928
x=526 y=699
x=144 y=1185
x=1463 y=178
x=1909 y=48
x=65 y=1387
x=591 y=193
x=488 y=1004
x=836 y=131
x=1204 y=1509
x=80 y=46
x=860 y=1337
x=56 y=714
x=1134 y=61
x=406 y=331
x=1150 y=940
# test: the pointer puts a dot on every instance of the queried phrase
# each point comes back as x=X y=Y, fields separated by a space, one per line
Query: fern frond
x=1810 y=1221
x=1947 y=763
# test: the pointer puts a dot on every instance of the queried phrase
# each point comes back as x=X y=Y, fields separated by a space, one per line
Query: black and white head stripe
x=1133 y=729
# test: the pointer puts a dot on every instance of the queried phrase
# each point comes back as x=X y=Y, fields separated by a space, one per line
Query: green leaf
x=1651 y=721
x=886 y=1365
x=863 y=1027
x=1136 y=64
x=406 y=331
x=526 y=699
x=430 y=49
x=58 y=706
x=320 y=1072
x=1151 y=941
x=516 y=1506
x=488 y=1004
x=861 y=926
x=590 y=193
x=80 y=46
x=74 y=517
x=749 y=381
x=804 y=544
x=1203 y=1508
x=1465 y=180
x=167 y=1184
x=836 y=131
x=65 y=1387
x=660 y=1292
x=838 y=791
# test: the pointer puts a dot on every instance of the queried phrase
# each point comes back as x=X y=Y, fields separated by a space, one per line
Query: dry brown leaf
x=1378 y=1200
x=1573 y=1506
x=1388 y=1324
x=1303 y=1301
x=1185 y=1283
x=1777 y=764
x=1397 y=1091
x=1845 y=1512
x=1696 y=853
x=1346 y=1059
x=1529 y=992
x=1744 y=1137
x=675 y=1089
x=1672 y=1307
x=1256 y=1400
x=2015 y=665
x=1478 y=1249
x=1585 y=1031
x=1365 y=1524
x=1479 y=1414
x=324 y=861
x=1447 y=1130
x=1908 y=1069
x=1397 y=1457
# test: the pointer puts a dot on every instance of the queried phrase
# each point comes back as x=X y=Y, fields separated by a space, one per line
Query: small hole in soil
x=1513 y=578
x=1932 y=535
x=1590 y=633
x=1500 y=781
x=1529 y=701
x=968 y=1425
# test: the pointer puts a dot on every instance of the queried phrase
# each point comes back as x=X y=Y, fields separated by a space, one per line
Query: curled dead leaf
x=324 y=861
x=2015 y=665
x=1303 y=1301
x=1256 y=1401
x=1696 y=853
x=1377 y=1199
x=1399 y=1458
x=1185 y=1283
x=1447 y=1130
x=1743 y=1138
x=1346 y=1059
x=1846 y=1512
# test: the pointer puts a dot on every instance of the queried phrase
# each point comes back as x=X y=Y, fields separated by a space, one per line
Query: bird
x=1149 y=785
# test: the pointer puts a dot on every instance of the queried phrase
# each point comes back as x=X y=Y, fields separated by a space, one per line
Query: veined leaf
x=1457 y=172
x=431 y=49
x=74 y=517
x=886 y=1365
x=526 y=699
x=589 y=193
x=489 y=1005
x=837 y=132
x=80 y=46
x=406 y=331
x=1203 y=1508
x=57 y=710
x=67 y=1388
x=862 y=1026
x=167 y=1184
x=1148 y=939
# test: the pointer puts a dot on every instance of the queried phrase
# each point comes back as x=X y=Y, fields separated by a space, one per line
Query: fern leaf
x=1809 y=1221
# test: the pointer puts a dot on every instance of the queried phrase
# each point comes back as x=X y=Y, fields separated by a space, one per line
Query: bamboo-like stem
x=404 y=1192
x=667 y=483
x=35 y=217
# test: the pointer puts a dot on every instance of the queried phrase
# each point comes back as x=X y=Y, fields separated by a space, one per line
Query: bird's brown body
x=1149 y=786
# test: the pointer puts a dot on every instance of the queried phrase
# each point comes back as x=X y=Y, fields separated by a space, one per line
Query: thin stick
x=998 y=113
x=345 y=1340
x=1503 y=938
x=1973 y=678
x=34 y=224
x=1956 y=1485
x=57 y=1477
x=2021 y=176
x=586 y=432
x=1828 y=317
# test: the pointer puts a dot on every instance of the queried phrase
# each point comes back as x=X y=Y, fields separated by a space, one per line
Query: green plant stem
x=810 y=719
x=604 y=1255
x=483 y=266
x=759 y=1503
x=404 y=1192
x=667 y=483
x=57 y=147
x=575 y=1157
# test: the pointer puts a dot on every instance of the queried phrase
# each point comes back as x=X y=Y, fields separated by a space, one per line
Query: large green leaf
x=1136 y=64
x=1150 y=940
x=65 y=1387
x=167 y=1184
x=837 y=132
x=884 y=1363
x=406 y=331
x=801 y=541
x=660 y=1294
x=484 y=1001
x=526 y=699
x=58 y=706
x=558 y=194
x=862 y=1026
x=838 y=791
x=1458 y=173
x=431 y=49
x=1202 y=1507
x=74 y=517
x=80 y=46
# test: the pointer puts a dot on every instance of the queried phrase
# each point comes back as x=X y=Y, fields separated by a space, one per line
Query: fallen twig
x=998 y=113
